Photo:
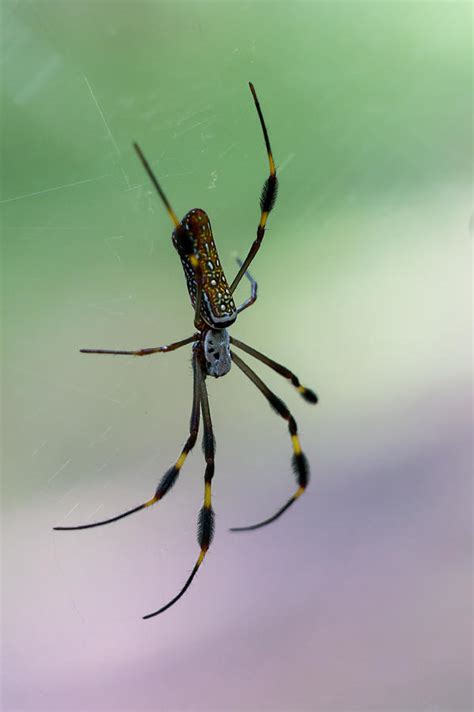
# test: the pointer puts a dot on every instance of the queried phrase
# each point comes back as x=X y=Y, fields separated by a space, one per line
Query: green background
x=358 y=599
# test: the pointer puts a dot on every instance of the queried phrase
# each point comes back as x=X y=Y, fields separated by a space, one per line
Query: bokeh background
x=359 y=598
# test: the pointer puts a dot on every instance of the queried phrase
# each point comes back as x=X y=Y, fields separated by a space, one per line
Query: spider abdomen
x=194 y=236
x=217 y=352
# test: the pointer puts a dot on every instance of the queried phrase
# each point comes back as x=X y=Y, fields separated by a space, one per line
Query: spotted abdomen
x=194 y=236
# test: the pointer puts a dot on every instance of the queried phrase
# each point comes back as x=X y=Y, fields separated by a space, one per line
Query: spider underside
x=212 y=355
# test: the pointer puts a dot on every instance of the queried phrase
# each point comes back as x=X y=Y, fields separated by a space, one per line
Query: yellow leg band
x=296 y=445
x=299 y=492
x=151 y=501
x=180 y=460
x=207 y=495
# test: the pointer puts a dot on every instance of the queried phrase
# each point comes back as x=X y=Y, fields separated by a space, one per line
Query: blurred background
x=359 y=597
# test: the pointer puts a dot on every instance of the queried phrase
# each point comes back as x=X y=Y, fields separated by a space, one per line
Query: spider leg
x=267 y=198
x=206 y=515
x=199 y=280
x=193 y=258
x=170 y=477
x=187 y=248
x=300 y=464
x=253 y=290
x=158 y=187
x=307 y=393
x=145 y=352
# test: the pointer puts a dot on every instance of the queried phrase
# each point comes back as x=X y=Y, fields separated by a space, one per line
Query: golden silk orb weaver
x=212 y=355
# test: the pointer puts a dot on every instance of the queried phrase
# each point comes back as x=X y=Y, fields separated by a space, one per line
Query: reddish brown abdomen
x=218 y=307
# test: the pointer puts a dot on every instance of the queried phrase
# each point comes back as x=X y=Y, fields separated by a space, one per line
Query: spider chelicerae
x=214 y=311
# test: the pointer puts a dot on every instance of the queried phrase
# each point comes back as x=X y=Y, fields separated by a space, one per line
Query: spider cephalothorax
x=214 y=311
x=217 y=354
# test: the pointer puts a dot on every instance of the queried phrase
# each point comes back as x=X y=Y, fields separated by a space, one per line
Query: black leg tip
x=309 y=396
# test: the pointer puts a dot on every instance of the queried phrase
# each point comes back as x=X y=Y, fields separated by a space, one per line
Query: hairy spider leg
x=309 y=395
x=267 y=197
x=170 y=477
x=186 y=245
x=206 y=515
x=145 y=352
x=299 y=461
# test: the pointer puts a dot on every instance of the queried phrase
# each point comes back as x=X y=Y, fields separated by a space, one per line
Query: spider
x=214 y=312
